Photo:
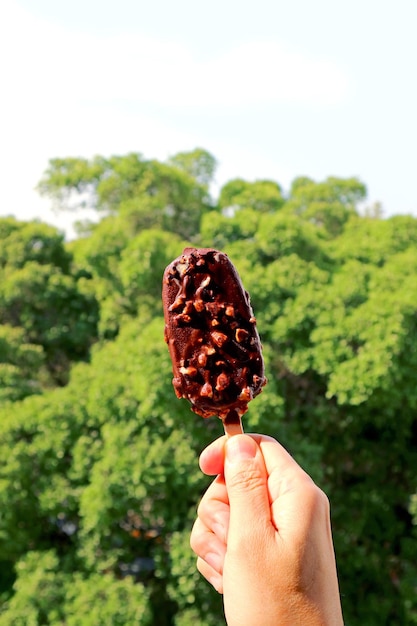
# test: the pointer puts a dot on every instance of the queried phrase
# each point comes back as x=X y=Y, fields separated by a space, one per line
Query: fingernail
x=240 y=447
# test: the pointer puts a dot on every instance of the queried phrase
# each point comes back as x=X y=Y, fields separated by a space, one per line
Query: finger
x=212 y=457
x=210 y=574
x=284 y=472
x=295 y=499
x=279 y=460
x=214 y=510
x=246 y=481
x=207 y=545
x=211 y=552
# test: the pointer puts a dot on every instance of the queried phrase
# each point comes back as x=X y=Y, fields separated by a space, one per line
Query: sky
x=272 y=89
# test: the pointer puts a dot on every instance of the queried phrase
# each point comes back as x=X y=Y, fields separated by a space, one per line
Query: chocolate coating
x=211 y=334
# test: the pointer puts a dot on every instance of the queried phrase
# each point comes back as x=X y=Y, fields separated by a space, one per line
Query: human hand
x=263 y=537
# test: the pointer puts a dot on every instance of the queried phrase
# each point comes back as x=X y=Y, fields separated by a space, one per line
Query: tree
x=39 y=295
x=341 y=335
x=330 y=203
x=103 y=473
x=149 y=193
x=264 y=196
x=22 y=365
x=26 y=242
x=45 y=594
x=99 y=476
x=199 y=164
x=220 y=230
x=72 y=182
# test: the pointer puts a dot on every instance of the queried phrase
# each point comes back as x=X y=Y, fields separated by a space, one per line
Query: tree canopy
x=99 y=476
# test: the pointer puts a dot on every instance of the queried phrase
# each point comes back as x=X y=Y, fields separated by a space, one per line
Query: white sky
x=272 y=89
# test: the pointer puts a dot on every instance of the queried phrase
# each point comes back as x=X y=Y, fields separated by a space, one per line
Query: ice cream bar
x=211 y=333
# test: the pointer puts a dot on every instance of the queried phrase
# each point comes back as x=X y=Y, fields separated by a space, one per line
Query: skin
x=263 y=537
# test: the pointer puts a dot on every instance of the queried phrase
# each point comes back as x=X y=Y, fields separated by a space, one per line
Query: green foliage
x=23 y=243
x=264 y=196
x=329 y=204
x=375 y=241
x=41 y=295
x=280 y=235
x=64 y=176
x=219 y=231
x=142 y=264
x=199 y=164
x=45 y=594
x=22 y=365
x=149 y=194
x=198 y=601
x=99 y=477
x=346 y=191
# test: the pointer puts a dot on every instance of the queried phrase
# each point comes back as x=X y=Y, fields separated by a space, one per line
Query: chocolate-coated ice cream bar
x=211 y=333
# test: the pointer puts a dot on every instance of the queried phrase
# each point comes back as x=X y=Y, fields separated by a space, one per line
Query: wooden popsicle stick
x=233 y=424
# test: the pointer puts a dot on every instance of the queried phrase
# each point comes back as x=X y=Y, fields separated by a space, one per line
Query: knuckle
x=323 y=503
x=246 y=479
x=318 y=500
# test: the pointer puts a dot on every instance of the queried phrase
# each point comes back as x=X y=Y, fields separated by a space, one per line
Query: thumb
x=246 y=482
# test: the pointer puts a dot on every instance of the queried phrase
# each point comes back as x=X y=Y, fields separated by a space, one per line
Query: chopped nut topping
x=182 y=318
x=182 y=266
x=177 y=386
x=245 y=394
x=222 y=381
x=188 y=307
x=241 y=334
x=199 y=305
x=206 y=391
x=205 y=282
x=188 y=371
x=178 y=303
x=218 y=338
x=214 y=307
x=256 y=380
x=230 y=310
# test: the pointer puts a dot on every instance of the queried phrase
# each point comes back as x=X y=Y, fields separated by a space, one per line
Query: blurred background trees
x=99 y=477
